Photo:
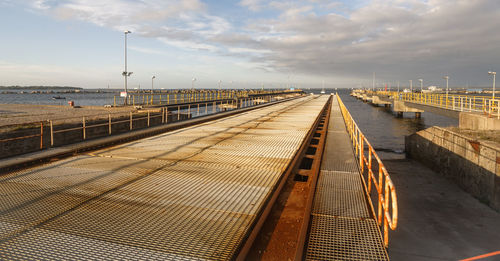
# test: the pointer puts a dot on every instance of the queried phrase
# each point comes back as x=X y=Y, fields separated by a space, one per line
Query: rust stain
x=476 y=145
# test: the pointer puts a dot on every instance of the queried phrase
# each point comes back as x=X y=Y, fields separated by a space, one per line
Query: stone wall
x=472 y=165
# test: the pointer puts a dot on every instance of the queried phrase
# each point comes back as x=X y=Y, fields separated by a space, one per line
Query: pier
x=473 y=112
x=203 y=190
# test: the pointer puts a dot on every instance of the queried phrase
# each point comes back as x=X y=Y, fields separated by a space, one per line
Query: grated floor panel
x=342 y=227
x=189 y=194
x=340 y=238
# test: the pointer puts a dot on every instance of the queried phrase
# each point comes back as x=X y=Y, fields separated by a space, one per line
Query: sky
x=249 y=43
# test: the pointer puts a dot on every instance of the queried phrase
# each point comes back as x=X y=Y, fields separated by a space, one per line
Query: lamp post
x=220 y=81
x=421 y=84
x=152 y=78
x=494 y=76
x=446 y=78
x=125 y=73
x=192 y=83
x=411 y=86
x=398 y=86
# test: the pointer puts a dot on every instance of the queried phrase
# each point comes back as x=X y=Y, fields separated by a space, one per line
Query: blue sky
x=248 y=43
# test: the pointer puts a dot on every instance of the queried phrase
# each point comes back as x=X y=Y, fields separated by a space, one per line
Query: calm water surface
x=384 y=130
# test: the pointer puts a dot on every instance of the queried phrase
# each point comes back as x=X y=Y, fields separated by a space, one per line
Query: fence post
x=148 y=118
x=198 y=111
x=51 y=134
x=109 y=123
x=189 y=110
x=214 y=109
x=206 y=108
x=178 y=113
x=41 y=135
x=114 y=101
x=166 y=114
x=84 y=132
x=162 y=115
x=131 y=119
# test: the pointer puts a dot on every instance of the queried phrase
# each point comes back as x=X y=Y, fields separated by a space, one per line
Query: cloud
x=395 y=38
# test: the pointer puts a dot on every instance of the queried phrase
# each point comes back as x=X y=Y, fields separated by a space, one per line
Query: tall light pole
x=411 y=86
x=220 y=81
x=494 y=76
x=398 y=86
x=192 y=83
x=152 y=78
x=125 y=73
x=421 y=85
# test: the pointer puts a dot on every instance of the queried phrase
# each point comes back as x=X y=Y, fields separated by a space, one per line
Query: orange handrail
x=387 y=209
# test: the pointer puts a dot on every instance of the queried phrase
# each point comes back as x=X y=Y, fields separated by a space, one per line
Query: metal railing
x=465 y=103
x=370 y=163
x=51 y=133
x=187 y=96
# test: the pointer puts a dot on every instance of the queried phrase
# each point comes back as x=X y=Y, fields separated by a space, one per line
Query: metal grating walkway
x=190 y=194
x=342 y=227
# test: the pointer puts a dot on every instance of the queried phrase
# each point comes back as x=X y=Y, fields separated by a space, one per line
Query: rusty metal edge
x=301 y=243
x=31 y=159
x=262 y=215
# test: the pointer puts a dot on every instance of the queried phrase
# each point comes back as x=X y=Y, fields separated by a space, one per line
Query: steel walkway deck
x=189 y=194
x=341 y=225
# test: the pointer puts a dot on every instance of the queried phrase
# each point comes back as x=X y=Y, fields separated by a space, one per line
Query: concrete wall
x=473 y=166
x=474 y=121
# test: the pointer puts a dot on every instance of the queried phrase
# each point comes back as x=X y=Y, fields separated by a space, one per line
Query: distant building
x=432 y=89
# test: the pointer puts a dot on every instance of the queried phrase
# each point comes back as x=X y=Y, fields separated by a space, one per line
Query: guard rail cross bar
x=465 y=103
x=387 y=207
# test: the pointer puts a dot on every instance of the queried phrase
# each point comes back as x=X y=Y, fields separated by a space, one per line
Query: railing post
x=41 y=135
x=379 y=191
x=84 y=132
x=51 y=134
x=189 y=110
x=109 y=123
x=198 y=111
x=162 y=115
x=166 y=114
x=131 y=120
x=361 y=151
x=178 y=113
x=206 y=108
x=148 y=118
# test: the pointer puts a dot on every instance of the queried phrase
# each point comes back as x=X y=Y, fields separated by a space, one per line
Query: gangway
x=344 y=225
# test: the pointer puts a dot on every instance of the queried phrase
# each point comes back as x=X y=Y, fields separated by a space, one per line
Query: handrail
x=465 y=103
x=84 y=123
x=387 y=198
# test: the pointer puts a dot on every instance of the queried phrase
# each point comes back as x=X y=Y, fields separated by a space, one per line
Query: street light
x=125 y=73
x=220 y=81
x=192 y=83
x=152 y=78
x=411 y=86
x=421 y=84
x=494 y=76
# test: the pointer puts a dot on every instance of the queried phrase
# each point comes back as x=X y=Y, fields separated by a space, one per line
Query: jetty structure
x=199 y=180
